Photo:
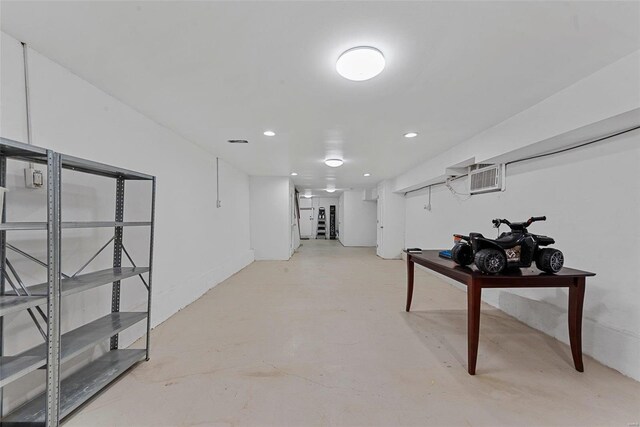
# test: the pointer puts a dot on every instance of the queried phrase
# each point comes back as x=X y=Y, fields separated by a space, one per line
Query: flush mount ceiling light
x=367 y=174
x=294 y=174
x=333 y=163
x=330 y=190
x=410 y=134
x=269 y=133
x=306 y=196
x=360 y=63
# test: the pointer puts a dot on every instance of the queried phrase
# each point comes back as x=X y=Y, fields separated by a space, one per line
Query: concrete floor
x=323 y=340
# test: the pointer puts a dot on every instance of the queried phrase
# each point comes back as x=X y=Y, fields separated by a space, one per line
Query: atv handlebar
x=518 y=225
x=536 y=218
x=496 y=222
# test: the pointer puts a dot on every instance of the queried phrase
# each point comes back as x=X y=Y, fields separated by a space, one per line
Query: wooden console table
x=520 y=278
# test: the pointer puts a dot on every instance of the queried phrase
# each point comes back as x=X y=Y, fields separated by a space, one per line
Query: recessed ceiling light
x=333 y=163
x=307 y=196
x=294 y=174
x=360 y=63
x=410 y=134
x=330 y=190
x=269 y=133
x=367 y=174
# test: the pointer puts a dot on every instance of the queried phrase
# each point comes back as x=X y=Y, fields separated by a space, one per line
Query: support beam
x=54 y=172
x=117 y=253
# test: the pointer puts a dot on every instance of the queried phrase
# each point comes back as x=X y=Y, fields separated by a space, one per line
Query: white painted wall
x=594 y=106
x=271 y=217
x=358 y=226
x=196 y=245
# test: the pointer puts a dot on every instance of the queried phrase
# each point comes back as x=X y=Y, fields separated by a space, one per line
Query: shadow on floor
x=444 y=334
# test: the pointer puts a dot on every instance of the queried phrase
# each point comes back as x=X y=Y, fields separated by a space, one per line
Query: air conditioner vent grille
x=486 y=178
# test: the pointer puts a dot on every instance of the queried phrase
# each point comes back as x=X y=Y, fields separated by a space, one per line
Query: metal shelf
x=9 y=226
x=72 y=344
x=11 y=303
x=103 y=224
x=80 y=386
x=20 y=151
x=14 y=367
x=95 y=168
x=84 y=282
x=12 y=226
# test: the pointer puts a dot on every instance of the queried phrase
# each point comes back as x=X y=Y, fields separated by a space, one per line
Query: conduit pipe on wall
x=27 y=97
x=535 y=157
x=218 y=204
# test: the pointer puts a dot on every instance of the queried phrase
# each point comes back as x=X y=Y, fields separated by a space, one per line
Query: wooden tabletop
x=433 y=261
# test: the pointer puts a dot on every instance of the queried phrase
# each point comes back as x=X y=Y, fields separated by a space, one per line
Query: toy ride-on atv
x=517 y=248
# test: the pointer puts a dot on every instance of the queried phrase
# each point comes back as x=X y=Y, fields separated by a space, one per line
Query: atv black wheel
x=490 y=261
x=550 y=260
x=462 y=254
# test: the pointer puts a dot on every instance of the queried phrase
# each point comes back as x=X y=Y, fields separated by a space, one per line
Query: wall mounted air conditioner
x=485 y=178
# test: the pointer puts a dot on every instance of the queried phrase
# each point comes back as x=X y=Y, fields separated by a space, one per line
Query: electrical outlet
x=33 y=178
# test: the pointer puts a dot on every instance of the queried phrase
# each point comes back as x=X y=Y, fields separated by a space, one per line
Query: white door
x=306 y=223
x=380 y=225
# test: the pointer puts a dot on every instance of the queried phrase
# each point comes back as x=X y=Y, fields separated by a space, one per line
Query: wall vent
x=238 y=141
x=485 y=178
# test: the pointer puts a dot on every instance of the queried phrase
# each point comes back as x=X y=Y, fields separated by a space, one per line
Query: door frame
x=379 y=224
x=302 y=218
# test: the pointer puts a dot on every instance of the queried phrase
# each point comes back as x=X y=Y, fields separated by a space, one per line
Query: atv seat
x=507 y=241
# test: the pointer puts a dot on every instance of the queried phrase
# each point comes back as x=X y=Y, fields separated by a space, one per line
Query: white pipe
x=27 y=96
x=218 y=204
x=26 y=90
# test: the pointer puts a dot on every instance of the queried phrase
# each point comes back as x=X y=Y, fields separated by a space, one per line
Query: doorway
x=379 y=224
x=306 y=223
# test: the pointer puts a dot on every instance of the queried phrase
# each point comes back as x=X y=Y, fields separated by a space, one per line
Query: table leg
x=474 y=296
x=410 y=269
x=576 y=300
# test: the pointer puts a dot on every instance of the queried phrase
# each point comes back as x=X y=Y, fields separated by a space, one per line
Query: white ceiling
x=214 y=71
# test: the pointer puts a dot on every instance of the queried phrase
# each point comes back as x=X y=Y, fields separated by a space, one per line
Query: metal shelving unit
x=64 y=395
x=89 y=224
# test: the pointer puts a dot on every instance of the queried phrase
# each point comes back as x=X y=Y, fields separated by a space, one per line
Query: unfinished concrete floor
x=323 y=340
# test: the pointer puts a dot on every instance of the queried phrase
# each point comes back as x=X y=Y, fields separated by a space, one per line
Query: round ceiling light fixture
x=306 y=196
x=333 y=163
x=269 y=133
x=411 y=134
x=294 y=174
x=360 y=63
x=330 y=190
x=367 y=174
